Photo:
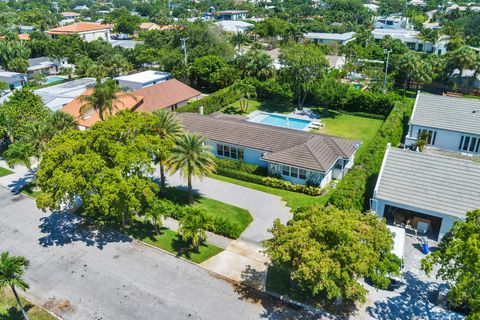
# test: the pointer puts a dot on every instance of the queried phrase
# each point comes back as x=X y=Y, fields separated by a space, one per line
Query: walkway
x=263 y=207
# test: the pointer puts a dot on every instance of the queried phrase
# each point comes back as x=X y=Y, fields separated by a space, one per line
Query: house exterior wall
x=95 y=35
x=14 y=82
x=444 y=139
x=250 y=155
x=447 y=221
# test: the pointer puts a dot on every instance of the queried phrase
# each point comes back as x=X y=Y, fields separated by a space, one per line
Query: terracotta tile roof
x=164 y=95
x=79 y=27
x=70 y=14
x=149 y=26
x=24 y=37
x=130 y=102
x=281 y=145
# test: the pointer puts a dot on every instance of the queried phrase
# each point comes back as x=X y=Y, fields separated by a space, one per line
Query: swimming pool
x=278 y=120
x=53 y=79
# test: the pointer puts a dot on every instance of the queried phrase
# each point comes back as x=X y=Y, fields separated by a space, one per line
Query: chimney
x=200 y=109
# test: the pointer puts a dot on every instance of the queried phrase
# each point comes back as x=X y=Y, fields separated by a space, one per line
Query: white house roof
x=55 y=97
x=234 y=25
x=440 y=184
x=448 y=113
x=145 y=76
x=330 y=36
x=9 y=74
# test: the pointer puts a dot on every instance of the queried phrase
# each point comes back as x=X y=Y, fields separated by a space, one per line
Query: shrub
x=214 y=102
x=242 y=166
x=356 y=188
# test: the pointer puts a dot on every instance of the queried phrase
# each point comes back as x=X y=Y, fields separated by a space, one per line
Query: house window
x=302 y=174
x=432 y=135
x=471 y=144
x=230 y=152
x=286 y=170
x=294 y=172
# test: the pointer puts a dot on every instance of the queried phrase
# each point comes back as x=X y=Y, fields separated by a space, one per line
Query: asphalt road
x=86 y=275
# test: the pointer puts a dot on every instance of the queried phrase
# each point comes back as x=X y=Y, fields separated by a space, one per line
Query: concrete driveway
x=83 y=274
x=263 y=207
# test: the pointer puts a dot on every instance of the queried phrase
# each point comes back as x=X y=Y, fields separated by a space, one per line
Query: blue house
x=231 y=15
x=297 y=156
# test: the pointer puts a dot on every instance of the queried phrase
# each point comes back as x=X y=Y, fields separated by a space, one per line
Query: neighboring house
x=88 y=119
x=147 y=26
x=417 y=3
x=142 y=79
x=231 y=14
x=14 y=79
x=275 y=55
x=425 y=192
x=469 y=78
x=89 y=31
x=320 y=37
x=170 y=94
x=336 y=62
x=234 y=26
x=26 y=29
x=81 y=7
x=452 y=123
x=372 y=7
x=46 y=65
x=126 y=44
x=393 y=22
x=57 y=96
x=297 y=156
x=412 y=41
x=70 y=15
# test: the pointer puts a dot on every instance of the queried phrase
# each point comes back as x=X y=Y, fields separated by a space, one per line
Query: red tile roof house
x=170 y=94
x=89 y=31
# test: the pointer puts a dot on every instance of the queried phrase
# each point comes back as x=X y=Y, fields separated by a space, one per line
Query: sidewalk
x=19 y=178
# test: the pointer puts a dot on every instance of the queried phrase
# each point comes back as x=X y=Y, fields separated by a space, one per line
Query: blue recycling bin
x=425 y=248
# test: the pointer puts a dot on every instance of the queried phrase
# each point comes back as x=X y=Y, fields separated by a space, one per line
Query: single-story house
x=147 y=26
x=57 y=96
x=46 y=65
x=170 y=94
x=412 y=41
x=469 y=78
x=231 y=14
x=300 y=157
x=425 y=192
x=89 y=31
x=80 y=7
x=26 y=29
x=88 y=119
x=234 y=26
x=143 y=79
x=336 y=62
x=321 y=37
x=395 y=21
x=13 y=79
x=452 y=123
x=70 y=15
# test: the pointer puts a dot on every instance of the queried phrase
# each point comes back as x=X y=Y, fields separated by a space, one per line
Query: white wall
x=249 y=155
x=97 y=34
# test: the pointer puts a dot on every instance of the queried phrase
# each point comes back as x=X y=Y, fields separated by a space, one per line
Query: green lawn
x=170 y=241
x=235 y=214
x=294 y=200
x=267 y=106
x=9 y=310
x=349 y=126
x=29 y=190
x=5 y=172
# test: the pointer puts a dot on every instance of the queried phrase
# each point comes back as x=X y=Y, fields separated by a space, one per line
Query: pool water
x=281 y=121
x=53 y=79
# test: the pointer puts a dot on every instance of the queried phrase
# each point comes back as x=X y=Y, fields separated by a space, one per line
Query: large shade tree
x=326 y=251
x=11 y=275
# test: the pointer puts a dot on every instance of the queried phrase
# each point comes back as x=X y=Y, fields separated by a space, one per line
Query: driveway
x=83 y=274
x=263 y=207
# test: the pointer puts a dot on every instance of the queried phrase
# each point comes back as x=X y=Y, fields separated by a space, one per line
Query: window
x=286 y=170
x=302 y=174
x=470 y=144
x=431 y=135
x=294 y=172
x=230 y=152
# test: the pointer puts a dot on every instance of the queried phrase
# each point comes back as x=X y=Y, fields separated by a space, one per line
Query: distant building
x=46 y=65
x=412 y=41
x=70 y=15
x=231 y=14
x=372 y=7
x=81 y=7
x=57 y=96
x=393 y=22
x=340 y=38
x=143 y=79
x=89 y=31
x=336 y=62
x=170 y=94
x=234 y=26
x=147 y=26
x=15 y=80
x=26 y=29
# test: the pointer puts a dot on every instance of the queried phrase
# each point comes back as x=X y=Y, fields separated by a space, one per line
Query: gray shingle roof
x=449 y=113
x=293 y=147
x=446 y=185
x=330 y=36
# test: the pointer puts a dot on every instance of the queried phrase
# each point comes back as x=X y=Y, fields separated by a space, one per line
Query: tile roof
x=287 y=146
x=70 y=14
x=79 y=27
x=149 y=26
x=165 y=94
x=449 y=113
x=126 y=102
x=24 y=37
x=446 y=185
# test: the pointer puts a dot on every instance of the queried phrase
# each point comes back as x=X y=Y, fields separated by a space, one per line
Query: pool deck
x=258 y=116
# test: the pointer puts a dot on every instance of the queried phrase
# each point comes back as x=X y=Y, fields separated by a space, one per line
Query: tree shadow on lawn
x=61 y=228
x=179 y=194
x=14 y=313
x=417 y=300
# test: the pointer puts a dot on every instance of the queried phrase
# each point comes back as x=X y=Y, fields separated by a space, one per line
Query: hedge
x=242 y=166
x=269 y=181
x=354 y=191
x=214 y=102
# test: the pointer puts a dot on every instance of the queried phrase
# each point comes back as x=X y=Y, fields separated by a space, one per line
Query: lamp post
x=387 y=52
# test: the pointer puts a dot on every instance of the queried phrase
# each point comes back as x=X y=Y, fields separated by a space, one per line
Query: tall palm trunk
x=190 y=189
x=19 y=303
x=162 y=176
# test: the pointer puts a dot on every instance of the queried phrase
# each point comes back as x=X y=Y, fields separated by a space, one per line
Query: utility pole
x=386 y=70
x=184 y=47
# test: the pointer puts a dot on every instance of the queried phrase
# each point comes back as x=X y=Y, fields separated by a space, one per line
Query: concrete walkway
x=263 y=207
x=19 y=178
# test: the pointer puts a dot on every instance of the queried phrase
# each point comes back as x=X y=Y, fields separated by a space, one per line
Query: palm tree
x=11 y=273
x=154 y=214
x=168 y=128
x=409 y=62
x=192 y=157
x=193 y=225
x=102 y=98
x=9 y=125
x=61 y=122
